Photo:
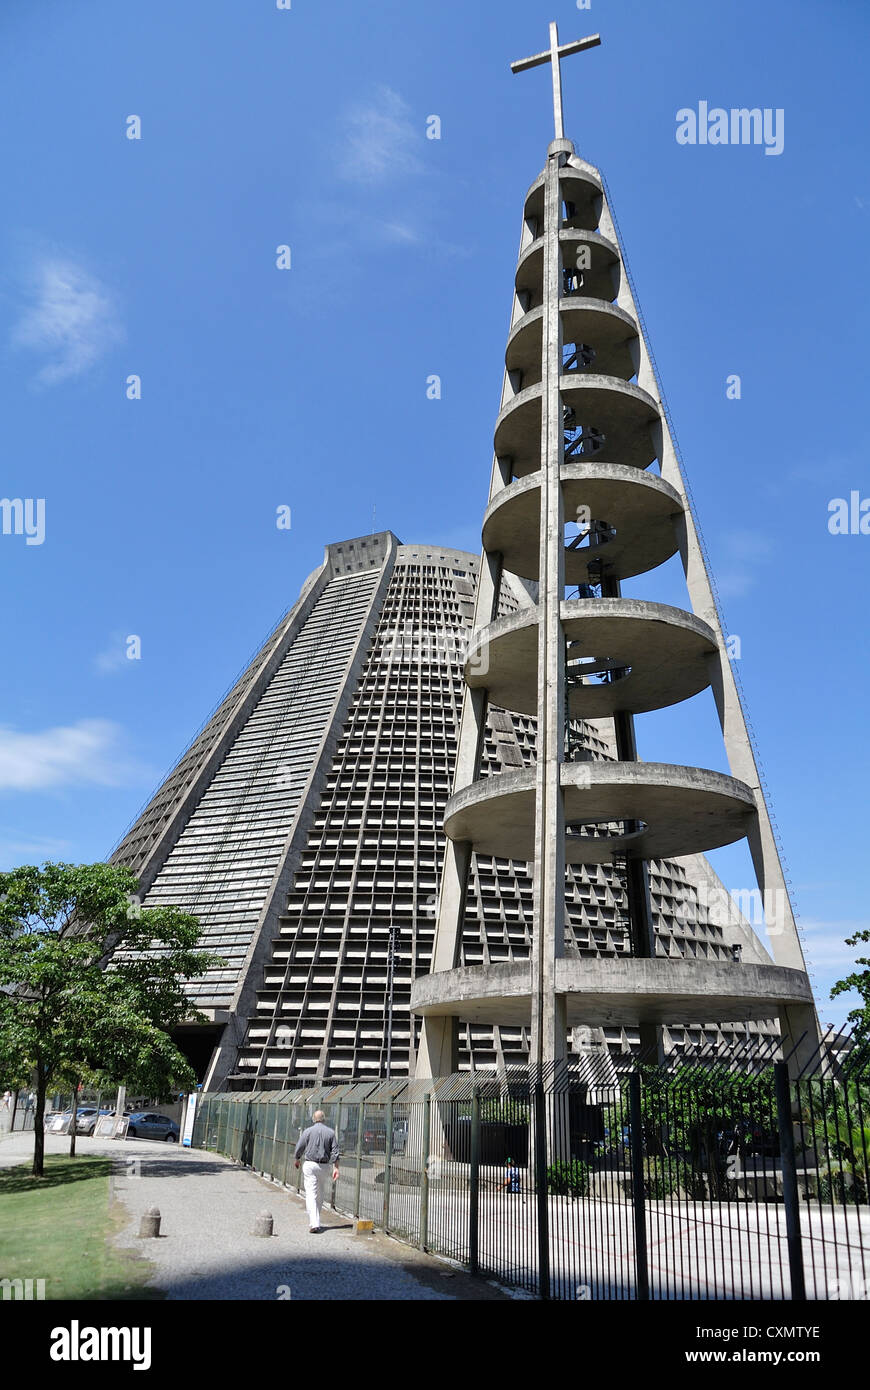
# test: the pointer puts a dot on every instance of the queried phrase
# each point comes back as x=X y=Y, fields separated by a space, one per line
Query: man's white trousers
x=314 y=1177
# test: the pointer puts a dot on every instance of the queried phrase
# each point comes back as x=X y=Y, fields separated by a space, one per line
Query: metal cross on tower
x=554 y=56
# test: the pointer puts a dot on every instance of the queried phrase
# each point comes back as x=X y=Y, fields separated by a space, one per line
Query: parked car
x=374 y=1136
x=86 y=1119
x=400 y=1136
x=56 y=1119
x=147 y=1124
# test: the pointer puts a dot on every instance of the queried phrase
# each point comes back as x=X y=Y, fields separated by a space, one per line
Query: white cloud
x=380 y=140
x=743 y=554
x=830 y=959
x=113 y=658
x=65 y=756
x=70 y=319
x=400 y=231
x=826 y=943
x=380 y=144
x=16 y=848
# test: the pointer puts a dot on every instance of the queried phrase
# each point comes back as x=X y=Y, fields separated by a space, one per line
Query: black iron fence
x=17 y=1114
x=710 y=1177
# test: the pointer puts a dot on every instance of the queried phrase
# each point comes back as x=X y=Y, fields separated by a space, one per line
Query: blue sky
x=263 y=127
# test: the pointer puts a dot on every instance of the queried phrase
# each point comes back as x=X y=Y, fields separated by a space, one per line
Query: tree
x=859 y=980
x=90 y=982
x=697 y=1121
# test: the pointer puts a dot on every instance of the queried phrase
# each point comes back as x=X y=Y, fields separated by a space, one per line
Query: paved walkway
x=206 y=1250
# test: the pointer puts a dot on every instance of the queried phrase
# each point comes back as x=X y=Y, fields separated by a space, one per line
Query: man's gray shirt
x=317 y=1144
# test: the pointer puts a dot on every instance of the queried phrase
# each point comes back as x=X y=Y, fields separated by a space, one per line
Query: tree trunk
x=72 y=1123
x=39 y=1125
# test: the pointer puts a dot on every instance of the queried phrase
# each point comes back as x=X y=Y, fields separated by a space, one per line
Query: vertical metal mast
x=549 y=1024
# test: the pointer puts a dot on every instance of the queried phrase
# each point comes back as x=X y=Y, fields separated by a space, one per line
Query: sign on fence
x=111 y=1126
x=189 y=1117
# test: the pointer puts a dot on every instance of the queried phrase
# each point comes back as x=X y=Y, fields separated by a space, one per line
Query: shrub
x=839 y=1182
x=660 y=1179
x=568 y=1178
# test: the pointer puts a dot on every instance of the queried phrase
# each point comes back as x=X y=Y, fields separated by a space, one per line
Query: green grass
x=60 y=1227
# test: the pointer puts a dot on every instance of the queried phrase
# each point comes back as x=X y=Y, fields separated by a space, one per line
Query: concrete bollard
x=150 y=1223
x=263 y=1224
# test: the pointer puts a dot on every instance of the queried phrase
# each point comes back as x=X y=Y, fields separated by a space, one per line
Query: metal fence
x=18 y=1115
x=709 y=1177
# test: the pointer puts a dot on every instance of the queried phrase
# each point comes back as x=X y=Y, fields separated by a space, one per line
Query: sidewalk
x=206 y=1250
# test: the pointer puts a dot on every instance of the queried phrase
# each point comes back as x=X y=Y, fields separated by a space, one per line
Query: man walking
x=317 y=1148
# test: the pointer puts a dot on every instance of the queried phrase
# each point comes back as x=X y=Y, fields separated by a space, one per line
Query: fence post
x=474 y=1196
x=424 y=1175
x=388 y=1162
x=790 y=1195
x=640 y=1245
x=288 y=1129
x=338 y=1140
x=359 y=1130
x=541 y=1194
x=274 y=1137
x=302 y=1126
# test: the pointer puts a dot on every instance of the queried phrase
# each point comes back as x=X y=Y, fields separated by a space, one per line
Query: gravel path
x=206 y=1250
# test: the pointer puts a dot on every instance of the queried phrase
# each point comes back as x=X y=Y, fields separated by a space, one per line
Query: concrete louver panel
x=142 y=844
x=223 y=863
x=230 y=835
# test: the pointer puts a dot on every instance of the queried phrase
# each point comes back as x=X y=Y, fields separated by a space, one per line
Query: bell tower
x=587 y=491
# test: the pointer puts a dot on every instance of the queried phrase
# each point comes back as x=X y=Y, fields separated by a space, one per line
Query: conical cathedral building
x=304 y=827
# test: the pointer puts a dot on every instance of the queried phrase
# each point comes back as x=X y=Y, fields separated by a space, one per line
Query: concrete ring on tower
x=683 y=810
x=600 y=261
x=580 y=187
x=640 y=507
x=606 y=328
x=594 y=275
x=664 y=652
x=616 y=990
x=618 y=410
